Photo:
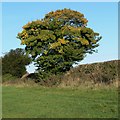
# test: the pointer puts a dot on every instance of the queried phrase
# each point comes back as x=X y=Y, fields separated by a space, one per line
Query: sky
x=60 y=0
x=102 y=18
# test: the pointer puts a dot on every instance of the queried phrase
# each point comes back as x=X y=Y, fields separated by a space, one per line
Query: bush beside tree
x=14 y=62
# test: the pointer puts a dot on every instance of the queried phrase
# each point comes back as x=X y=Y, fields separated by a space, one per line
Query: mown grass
x=40 y=102
x=0 y=101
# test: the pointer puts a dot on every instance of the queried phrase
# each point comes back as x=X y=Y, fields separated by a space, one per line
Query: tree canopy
x=59 y=40
x=14 y=62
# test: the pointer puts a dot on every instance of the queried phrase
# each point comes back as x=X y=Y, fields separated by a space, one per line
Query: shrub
x=14 y=62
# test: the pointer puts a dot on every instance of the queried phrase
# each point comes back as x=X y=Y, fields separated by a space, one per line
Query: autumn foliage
x=59 y=40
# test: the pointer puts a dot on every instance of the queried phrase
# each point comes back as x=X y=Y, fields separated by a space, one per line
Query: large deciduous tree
x=59 y=40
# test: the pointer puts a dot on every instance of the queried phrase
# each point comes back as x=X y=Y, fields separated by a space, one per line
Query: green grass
x=0 y=101
x=39 y=102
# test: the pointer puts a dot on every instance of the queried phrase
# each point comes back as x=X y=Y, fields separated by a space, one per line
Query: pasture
x=43 y=102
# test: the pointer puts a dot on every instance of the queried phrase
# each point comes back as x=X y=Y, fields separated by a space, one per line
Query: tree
x=58 y=41
x=0 y=66
x=14 y=62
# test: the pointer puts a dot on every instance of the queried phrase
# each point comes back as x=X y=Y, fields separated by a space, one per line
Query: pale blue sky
x=102 y=17
x=60 y=0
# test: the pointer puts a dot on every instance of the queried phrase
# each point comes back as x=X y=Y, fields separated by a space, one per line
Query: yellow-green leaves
x=59 y=43
x=23 y=34
x=55 y=45
x=58 y=40
x=60 y=50
x=70 y=30
x=84 y=42
x=93 y=41
x=45 y=52
x=27 y=25
x=63 y=41
x=46 y=35
x=22 y=42
x=67 y=15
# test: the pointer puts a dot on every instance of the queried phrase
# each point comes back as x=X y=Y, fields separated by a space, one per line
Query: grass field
x=40 y=102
